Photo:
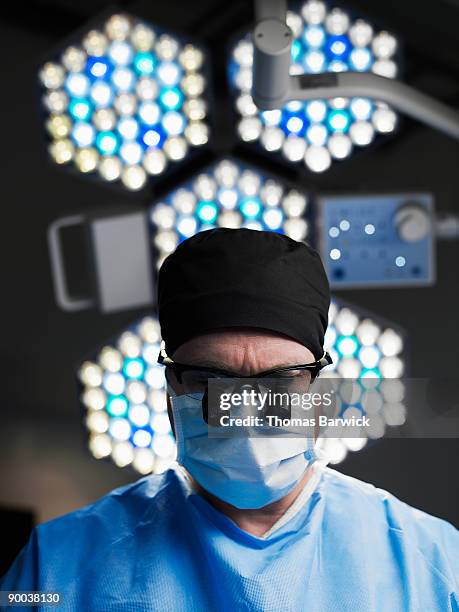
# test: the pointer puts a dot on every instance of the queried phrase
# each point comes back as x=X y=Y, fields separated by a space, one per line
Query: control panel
x=377 y=240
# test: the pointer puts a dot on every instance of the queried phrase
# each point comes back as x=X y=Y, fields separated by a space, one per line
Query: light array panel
x=228 y=194
x=124 y=396
x=317 y=132
x=123 y=390
x=368 y=359
x=125 y=102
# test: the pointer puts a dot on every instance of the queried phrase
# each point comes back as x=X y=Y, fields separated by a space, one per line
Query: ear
x=170 y=413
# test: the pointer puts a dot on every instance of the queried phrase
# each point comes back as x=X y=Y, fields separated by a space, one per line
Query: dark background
x=44 y=464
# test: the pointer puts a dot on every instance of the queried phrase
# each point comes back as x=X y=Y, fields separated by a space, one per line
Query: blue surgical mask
x=249 y=472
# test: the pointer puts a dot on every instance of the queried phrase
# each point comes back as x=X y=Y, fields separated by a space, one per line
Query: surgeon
x=254 y=524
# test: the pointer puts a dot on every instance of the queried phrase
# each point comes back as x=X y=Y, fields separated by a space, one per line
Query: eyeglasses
x=195 y=378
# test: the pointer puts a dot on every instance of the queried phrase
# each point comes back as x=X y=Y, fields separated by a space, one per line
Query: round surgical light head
x=126 y=89
x=317 y=132
x=123 y=391
x=228 y=194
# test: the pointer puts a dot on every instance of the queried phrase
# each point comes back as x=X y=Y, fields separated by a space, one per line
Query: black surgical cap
x=224 y=278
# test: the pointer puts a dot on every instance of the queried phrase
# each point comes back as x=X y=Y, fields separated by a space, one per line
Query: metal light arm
x=273 y=86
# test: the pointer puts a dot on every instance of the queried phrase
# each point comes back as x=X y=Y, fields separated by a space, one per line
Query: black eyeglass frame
x=180 y=368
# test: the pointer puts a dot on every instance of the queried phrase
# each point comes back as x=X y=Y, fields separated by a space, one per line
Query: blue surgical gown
x=156 y=546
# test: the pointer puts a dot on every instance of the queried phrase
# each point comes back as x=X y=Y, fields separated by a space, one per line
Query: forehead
x=243 y=348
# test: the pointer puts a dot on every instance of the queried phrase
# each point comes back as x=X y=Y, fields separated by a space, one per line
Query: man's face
x=243 y=351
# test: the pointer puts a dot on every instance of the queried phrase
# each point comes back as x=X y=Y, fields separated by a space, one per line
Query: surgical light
x=123 y=391
x=126 y=102
x=317 y=132
x=368 y=363
x=228 y=194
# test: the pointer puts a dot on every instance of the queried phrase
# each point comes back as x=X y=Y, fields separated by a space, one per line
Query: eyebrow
x=219 y=365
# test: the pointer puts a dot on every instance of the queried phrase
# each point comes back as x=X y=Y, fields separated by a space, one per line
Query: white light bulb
x=249 y=183
x=191 y=58
x=271 y=193
x=317 y=134
x=142 y=438
x=368 y=332
x=314 y=12
x=110 y=168
x=314 y=36
x=294 y=22
x=226 y=173
x=243 y=53
x=385 y=68
x=384 y=45
x=131 y=152
x=123 y=79
x=273 y=218
x=154 y=161
x=120 y=53
x=246 y=106
x=384 y=120
x=147 y=88
x=243 y=79
x=52 y=75
x=187 y=226
x=361 y=133
x=360 y=59
x=294 y=204
x=195 y=109
x=294 y=148
x=86 y=159
x=314 y=61
x=193 y=84
x=136 y=392
x=133 y=177
x=120 y=429
x=166 y=47
x=184 y=201
x=95 y=43
x=114 y=383
x=77 y=85
x=166 y=241
x=74 y=59
x=272 y=138
x=169 y=73
x=104 y=119
x=197 y=133
x=173 y=123
x=390 y=343
x=175 y=148
x=337 y=22
x=316 y=110
x=340 y=146
x=122 y=453
x=100 y=445
x=118 y=27
x=296 y=229
x=272 y=117
x=142 y=37
x=101 y=93
x=346 y=321
x=361 y=108
x=361 y=33
x=317 y=158
x=230 y=219
x=369 y=356
x=228 y=198
x=391 y=367
x=205 y=187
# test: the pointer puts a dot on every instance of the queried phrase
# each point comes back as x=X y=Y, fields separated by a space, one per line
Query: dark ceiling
x=40 y=344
